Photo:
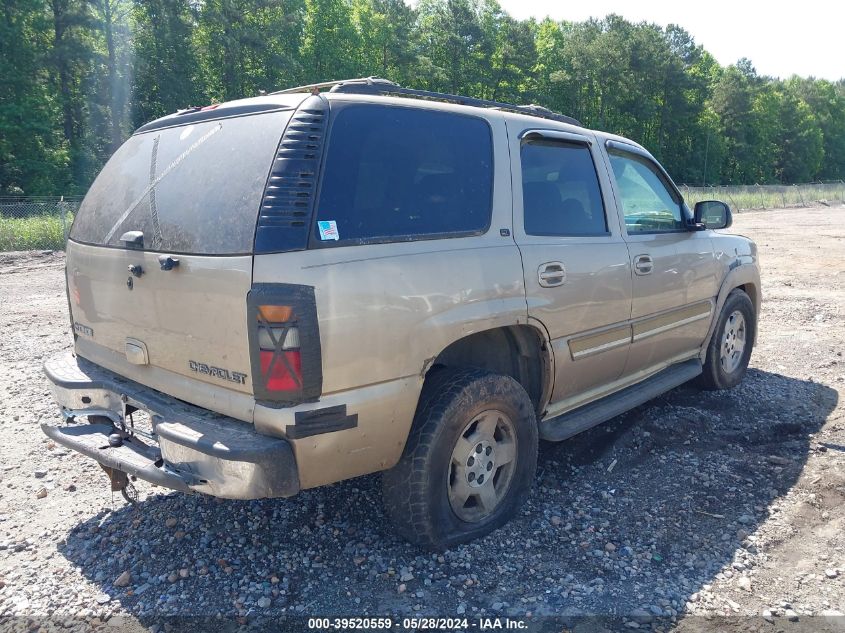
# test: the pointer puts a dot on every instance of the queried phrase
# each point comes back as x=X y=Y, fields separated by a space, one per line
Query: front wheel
x=730 y=346
x=469 y=461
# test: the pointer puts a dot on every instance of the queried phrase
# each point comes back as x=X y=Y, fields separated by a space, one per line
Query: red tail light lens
x=279 y=353
x=282 y=373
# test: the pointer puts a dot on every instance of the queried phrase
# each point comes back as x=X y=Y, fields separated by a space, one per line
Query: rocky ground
x=687 y=513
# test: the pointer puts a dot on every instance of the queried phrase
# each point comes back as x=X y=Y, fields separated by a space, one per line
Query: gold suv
x=282 y=292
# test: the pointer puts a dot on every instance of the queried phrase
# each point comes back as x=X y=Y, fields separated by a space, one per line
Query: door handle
x=551 y=274
x=643 y=264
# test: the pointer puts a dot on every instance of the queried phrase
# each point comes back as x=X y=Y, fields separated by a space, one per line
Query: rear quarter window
x=397 y=173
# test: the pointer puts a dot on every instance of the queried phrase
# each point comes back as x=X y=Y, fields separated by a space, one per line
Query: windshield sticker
x=328 y=230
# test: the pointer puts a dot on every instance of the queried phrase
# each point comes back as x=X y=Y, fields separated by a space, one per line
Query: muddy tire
x=730 y=346
x=469 y=461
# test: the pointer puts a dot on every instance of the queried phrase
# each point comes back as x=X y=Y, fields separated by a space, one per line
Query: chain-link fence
x=43 y=223
x=36 y=223
x=746 y=197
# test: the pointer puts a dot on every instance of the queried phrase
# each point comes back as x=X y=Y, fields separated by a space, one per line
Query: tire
x=730 y=346
x=451 y=484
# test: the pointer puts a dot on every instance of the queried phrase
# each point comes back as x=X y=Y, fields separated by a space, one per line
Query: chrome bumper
x=189 y=449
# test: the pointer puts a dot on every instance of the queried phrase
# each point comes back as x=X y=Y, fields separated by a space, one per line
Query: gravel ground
x=696 y=504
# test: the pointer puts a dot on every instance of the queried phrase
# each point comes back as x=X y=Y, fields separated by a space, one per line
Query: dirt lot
x=696 y=504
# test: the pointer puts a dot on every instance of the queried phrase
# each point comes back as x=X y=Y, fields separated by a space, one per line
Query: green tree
x=33 y=153
x=238 y=46
x=112 y=17
x=165 y=63
x=799 y=139
x=744 y=105
x=77 y=75
x=682 y=132
x=331 y=44
x=385 y=28
x=513 y=56
x=451 y=39
x=826 y=101
x=72 y=53
x=549 y=80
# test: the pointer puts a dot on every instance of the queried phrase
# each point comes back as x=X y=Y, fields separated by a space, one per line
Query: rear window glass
x=394 y=173
x=192 y=189
x=560 y=190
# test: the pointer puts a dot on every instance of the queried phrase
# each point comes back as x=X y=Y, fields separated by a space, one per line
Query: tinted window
x=560 y=190
x=190 y=189
x=396 y=172
x=648 y=204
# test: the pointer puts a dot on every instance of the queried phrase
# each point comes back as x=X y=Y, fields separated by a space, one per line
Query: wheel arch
x=519 y=351
x=745 y=277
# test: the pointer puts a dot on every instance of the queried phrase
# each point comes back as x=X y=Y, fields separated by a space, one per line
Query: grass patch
x=34 y=233
x=767 y=196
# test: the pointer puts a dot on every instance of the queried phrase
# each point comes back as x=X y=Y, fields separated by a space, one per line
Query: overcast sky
x=804 y=39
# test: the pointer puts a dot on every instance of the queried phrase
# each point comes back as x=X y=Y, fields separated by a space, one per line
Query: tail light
x=285 y=342
x=278 y=344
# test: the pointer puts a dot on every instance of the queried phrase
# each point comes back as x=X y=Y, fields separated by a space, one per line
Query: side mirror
x=713 y=214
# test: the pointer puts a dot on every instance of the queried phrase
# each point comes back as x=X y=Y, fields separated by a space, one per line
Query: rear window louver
x=288 y=203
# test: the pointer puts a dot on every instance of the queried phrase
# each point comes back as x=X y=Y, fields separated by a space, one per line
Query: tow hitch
x=119 y=480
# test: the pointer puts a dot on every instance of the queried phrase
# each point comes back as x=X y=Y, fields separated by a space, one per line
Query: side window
x=396 y=173
x=560 y=190
x=648 y=204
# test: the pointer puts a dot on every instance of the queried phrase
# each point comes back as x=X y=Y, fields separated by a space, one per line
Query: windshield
x=193 y=189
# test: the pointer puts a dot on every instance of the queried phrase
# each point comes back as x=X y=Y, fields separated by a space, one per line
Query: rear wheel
x=469 y=461
x=730 y=346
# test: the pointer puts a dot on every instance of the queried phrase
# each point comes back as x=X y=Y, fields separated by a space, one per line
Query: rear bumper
x=189 y=448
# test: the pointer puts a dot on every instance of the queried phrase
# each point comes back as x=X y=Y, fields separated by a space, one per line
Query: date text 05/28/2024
x=417 y=624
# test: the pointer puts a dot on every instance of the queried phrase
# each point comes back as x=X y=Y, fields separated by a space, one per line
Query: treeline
x=77 y=76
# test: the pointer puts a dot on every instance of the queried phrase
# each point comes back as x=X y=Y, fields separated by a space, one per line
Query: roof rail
x=378 y=86
x=318 y=86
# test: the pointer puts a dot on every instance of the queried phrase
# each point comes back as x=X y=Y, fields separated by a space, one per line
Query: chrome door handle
x=551 y=274
x=643 y=264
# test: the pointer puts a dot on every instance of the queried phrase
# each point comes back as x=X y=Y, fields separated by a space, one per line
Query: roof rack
x=378 y=86
x=324 y=84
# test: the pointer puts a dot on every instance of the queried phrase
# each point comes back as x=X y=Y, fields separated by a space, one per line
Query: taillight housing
x=285 y=343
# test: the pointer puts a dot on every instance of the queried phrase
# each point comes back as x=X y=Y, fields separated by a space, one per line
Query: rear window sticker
x=328 y=230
